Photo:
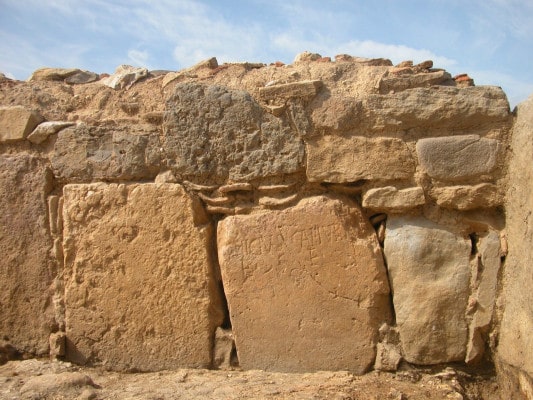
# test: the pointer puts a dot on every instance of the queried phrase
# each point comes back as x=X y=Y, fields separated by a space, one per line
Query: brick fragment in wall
x=140 y=291
x=306 y=277
x=429 y=270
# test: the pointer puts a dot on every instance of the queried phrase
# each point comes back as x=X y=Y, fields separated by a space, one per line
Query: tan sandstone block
x=26 y=268
x=339 y=159
x=139 y=288
x=306 y=286
x=484 y=195
x=429 y=269
x=17 y=122
x=390 y=199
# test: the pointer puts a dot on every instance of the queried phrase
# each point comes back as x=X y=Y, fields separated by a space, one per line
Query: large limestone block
x=17 y=122
x=396 y=83
x=340 y=159
x=430 y=274
x=516 y=339
x=454 y=158
x=86 y=153
x=26 y=270
x=306 y=286
x=53 y=74
x=437 y=107
x=139 y=289
x=212 y=134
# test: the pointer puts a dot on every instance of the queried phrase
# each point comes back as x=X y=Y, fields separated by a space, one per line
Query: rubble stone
x=16 y=122
x=464 y=197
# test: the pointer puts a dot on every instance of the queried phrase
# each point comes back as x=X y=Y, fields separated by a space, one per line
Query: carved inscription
x=300 y=272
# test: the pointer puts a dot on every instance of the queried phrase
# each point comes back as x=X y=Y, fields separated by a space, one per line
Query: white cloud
x=138 y=58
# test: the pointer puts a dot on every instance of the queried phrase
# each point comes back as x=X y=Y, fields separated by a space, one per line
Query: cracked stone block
x=139 y=288
x=306 y=286
x=429 y=269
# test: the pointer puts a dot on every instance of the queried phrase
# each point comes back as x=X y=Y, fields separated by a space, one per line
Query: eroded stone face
x=84 y=154
x=212 y=134
x=26 y=269
x=430 y=274
x=349 y=159
x=306 y=286
x=139 y=290
x=17 y=122
x=453 y=158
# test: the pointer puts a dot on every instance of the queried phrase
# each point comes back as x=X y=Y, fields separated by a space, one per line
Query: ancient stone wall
x=322 y=215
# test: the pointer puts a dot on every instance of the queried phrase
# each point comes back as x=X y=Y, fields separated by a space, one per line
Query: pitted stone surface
x=26 y=269
x=430 y=275
x=339 y=159
x=454 y=158
x=85 y=153
x=306 y=286
x=139 y=291
x=213 y=134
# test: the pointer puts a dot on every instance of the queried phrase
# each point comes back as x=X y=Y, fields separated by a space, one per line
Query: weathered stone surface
x=388 y=357
x=430 y=275
x=307 y=277
x=82 y=77
x=26 y=270
x=212 y=134
x=48 y=385
x=464 y=197
x=53 y=74
x=393 y=200
x=392 y=83
x=16 y=123
x=339 y=159
x=454 y=158
x=209 y=64
x=45 y=129
x=125 y=76
x=139 y=289
x=304 y=89
x=436 y=107
x=86 y=153
x=516 y=340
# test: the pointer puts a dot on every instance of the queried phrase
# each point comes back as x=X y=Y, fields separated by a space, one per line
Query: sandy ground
x=42 y=379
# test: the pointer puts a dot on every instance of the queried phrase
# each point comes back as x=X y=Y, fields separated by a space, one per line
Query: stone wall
x=322 y=215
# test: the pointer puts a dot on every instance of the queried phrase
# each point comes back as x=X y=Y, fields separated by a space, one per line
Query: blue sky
x=491 y=40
